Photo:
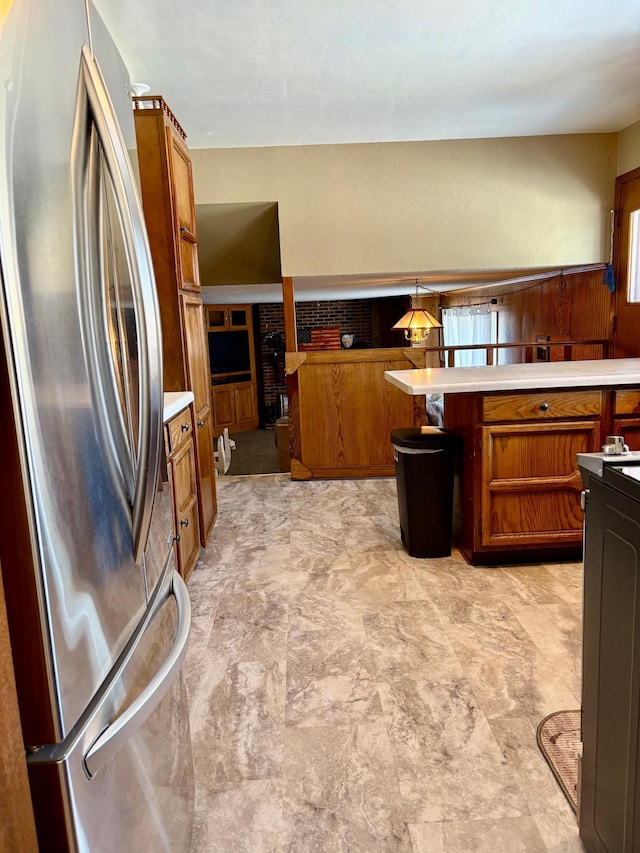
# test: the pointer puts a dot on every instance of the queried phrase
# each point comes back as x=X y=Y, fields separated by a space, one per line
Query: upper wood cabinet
x=167 y=198
x=221 y=317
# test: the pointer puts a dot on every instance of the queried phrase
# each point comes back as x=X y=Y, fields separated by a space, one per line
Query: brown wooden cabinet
x=233 y=367
x=520 y=484
x=167 y=197
x=626 y=416
x=181 y=456
x=234 y=406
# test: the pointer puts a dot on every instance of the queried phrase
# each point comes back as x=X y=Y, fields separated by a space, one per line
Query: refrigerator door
x=82 y=347
x=126 y=775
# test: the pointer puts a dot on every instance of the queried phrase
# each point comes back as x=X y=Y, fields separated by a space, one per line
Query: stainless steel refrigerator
x=99 y=618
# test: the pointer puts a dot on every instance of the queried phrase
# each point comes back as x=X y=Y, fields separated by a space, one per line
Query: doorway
x=626 y=320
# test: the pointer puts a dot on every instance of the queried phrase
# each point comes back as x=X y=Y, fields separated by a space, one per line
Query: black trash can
x=425 y=461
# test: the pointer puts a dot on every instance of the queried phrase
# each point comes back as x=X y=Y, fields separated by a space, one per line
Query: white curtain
x=474 y=324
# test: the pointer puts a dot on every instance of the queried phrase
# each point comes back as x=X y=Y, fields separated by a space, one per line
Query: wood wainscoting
x=342 y=411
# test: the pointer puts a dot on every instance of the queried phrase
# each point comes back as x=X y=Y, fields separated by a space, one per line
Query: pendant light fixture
x=416 y=323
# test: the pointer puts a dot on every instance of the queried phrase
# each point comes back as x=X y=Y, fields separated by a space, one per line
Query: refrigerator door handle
x=149 y=445
x=121 y=729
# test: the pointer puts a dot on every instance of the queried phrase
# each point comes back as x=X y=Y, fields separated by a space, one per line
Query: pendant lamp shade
x=416 y=324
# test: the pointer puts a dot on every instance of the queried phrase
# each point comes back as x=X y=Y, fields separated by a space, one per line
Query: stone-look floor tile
x=323 y=547
x=533 y=584
x=556 y=820
x=341 y=792
x=371 y=532
x=511 y=835
x=243 y=735
x=374 y=576
x=330 y=686
x=556 y=629
x=559 y=830
x=406 y=638
x=449 y=764
x=335 y=619
x=517 y=740
x=250 y=627
x=427 y=677
x=261 y=567
x=568 y=579
x=245 y=818
x=328 y=682
x=508 y=674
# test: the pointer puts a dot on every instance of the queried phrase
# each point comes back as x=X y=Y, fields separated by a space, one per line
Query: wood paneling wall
x=342 y=410
x=564 y=307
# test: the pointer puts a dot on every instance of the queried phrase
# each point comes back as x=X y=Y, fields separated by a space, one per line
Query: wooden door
x=626 y=337
x=184 y=211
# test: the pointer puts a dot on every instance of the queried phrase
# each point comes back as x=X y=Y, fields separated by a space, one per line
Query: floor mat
x=558 y=737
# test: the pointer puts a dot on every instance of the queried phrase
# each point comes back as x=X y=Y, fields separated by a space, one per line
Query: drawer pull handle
x=184 y=522
x=544 y=407
x=200 y=424
x=186 y=427
x=183 y=229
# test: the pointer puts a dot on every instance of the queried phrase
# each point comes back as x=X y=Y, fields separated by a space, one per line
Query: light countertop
x=517 y=377
x=174 y=402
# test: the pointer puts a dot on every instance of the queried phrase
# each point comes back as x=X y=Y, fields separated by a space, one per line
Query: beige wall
x=629 y=148
x=393 y=207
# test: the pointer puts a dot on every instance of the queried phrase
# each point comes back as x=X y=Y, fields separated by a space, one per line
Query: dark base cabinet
x=609 y=813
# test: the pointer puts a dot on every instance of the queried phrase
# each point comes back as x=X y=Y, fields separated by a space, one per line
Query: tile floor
x=347 y=697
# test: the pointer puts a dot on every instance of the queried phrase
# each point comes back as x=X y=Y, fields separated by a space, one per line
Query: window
x=471 y=324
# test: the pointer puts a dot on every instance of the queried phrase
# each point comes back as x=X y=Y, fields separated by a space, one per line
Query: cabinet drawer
x=179 y=429
x=626 y=402
x=541 y=406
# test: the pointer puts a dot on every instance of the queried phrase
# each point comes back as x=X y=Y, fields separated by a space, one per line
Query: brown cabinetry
x=232 y=367
x=626 y=417
x=167 y=197
x=520 y=484
x=181 y=456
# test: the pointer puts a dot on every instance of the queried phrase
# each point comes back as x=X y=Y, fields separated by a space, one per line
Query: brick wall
x=352 y=316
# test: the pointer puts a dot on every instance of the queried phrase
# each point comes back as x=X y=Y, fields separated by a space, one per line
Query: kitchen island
x=521 y=426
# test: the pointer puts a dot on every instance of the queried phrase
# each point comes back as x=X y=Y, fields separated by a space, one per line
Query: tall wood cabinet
x=167 y=197
x=232 y=364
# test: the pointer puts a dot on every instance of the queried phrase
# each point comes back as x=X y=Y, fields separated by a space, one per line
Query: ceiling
x=244 y=73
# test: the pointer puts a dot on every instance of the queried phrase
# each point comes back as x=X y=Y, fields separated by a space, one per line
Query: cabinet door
x=224 y=413
x=228 y=317
x=186 y=503
x=531 y=484
x=238 y=317
x=216 y=317
x=197 y=358
x=245 y=399
x=184 y=211
x=208 y=496
x=196 y=352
